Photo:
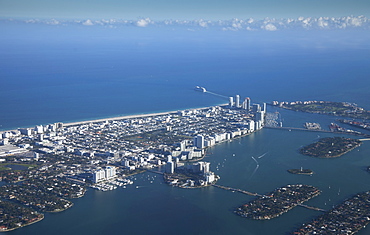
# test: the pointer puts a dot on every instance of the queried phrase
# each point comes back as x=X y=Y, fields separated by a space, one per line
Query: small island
x=301 y=171
x=343 y=109
x=349 y=217
x=277 y=202
x=330 y=147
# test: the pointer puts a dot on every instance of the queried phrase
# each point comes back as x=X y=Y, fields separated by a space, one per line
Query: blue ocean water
x=68 y=73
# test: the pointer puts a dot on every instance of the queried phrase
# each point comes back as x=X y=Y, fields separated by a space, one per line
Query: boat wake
x=262 y=155
x=255 y=170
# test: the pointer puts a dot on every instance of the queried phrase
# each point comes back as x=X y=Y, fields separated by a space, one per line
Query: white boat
x=199 y=88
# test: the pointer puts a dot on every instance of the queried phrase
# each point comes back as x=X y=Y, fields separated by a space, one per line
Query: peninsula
x=330 y=147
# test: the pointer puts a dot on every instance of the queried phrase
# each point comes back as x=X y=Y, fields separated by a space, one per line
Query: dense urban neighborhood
x=45 y=166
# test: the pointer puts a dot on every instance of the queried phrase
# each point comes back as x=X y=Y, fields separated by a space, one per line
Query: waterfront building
x=231 y=101
x=251 y=125
x=7 y=135
x=264 y=108
x=248 y=103
x=170 y=167
x=26 y=131
x=39 y=129
x=199 y=141
x=256 y=108
x=260 y=116
x=98 y=175
x=258 y=125
x=210 y=177
x=206 y=166
x=237 y=101
x=110 y=172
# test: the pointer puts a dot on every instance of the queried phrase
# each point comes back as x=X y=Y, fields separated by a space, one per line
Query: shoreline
x=114 y=118
x=24 y=225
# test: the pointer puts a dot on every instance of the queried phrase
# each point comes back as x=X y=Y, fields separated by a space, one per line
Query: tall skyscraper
x=170 y=167
x=237 y=101
x=260 y=117
x=247 y=104
x=110 y=172
x=199 y=141
x=264 y=107
x=256 y=108
x=231 y=101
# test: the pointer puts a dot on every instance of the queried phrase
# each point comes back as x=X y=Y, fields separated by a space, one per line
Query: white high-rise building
x=237 y=101
x=231 y=101
x=260 y=117
x=110 y=172
x=206 y=166
x=251 y=126
x=39 y=129
x=264 y=109
x=98 y=175
x=170 y=167
x=256 y=108
x=247 y=104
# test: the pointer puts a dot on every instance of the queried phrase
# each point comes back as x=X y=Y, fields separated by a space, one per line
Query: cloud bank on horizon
x=250 y=24
x=181 y=9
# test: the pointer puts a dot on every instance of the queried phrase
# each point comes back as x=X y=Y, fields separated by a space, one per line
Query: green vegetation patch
x=343 y=109
x=7 y=166
x=330 y=147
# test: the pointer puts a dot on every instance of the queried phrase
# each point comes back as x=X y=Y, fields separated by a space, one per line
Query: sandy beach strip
x=119 y=118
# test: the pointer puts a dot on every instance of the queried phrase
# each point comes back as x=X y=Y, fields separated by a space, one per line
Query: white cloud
x=322 y=23
x=270 y=27
x=53 y=22
x=143 y=22
x=203 y=24
x=88 y=23
x=356 y=22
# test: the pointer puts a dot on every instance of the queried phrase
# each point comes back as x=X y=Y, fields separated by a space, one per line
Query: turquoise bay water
x=50 y=74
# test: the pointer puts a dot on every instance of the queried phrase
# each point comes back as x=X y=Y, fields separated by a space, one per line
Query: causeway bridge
x=259 y=195
x=237 y=190
x=316 y=130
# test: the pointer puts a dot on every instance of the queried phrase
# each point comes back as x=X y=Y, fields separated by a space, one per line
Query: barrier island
x=330 y=147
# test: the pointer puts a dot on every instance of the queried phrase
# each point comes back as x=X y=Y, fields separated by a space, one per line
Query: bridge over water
x=259 y=195
x=320 y=130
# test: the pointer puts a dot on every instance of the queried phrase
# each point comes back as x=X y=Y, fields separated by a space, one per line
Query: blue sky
x=181 y=9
